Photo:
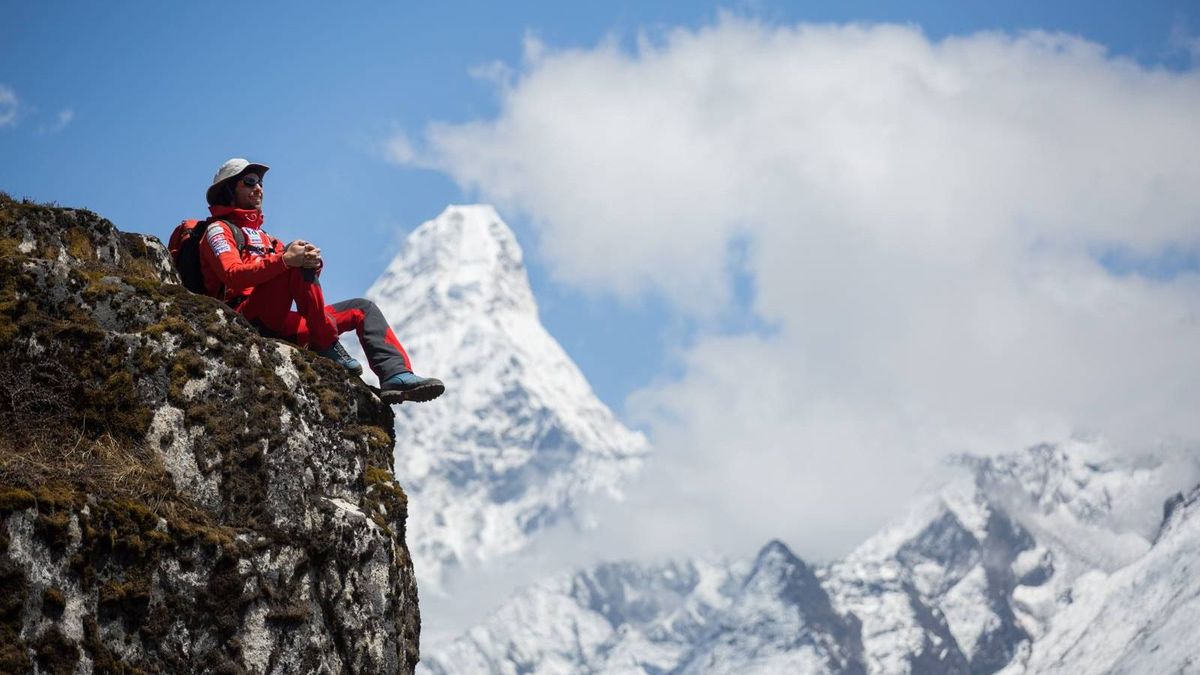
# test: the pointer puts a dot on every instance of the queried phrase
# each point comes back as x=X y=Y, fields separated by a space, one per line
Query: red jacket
x=224 y=268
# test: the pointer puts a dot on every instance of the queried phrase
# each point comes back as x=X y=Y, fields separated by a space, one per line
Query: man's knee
x=360 y=304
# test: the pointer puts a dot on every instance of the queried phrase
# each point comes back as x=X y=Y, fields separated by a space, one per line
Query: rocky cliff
x=178 y=494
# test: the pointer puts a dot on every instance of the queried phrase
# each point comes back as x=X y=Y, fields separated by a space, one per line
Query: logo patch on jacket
x=255 y=242
x=216 y=239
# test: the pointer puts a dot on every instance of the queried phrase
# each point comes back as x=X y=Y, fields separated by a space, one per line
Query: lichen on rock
x=178 y=493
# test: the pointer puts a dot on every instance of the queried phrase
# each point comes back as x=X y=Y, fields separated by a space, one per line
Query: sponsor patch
x=216 y=239
x=255 y=241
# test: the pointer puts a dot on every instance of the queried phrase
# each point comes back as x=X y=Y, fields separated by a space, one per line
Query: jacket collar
x=252 y=218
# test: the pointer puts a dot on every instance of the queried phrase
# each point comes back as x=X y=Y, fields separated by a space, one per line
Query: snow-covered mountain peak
x=774 y=564
x=997 y=552
x=519 y=439
x=780 y=574
x=780 y=621
x=464 y=262
x=1050 y=477
x=1070 y=485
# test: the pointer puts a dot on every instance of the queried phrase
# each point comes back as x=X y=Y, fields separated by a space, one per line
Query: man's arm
x=302 y=253
x=220 y=248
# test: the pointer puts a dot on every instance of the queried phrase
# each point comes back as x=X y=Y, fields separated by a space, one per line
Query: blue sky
x=128 y=108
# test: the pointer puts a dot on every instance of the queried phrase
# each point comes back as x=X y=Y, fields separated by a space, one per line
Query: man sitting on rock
x=262 y=277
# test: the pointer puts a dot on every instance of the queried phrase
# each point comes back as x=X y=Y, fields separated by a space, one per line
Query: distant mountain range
x=1017 y=567
x=1025 y=563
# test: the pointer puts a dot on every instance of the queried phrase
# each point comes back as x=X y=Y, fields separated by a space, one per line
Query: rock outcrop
x=177 y=493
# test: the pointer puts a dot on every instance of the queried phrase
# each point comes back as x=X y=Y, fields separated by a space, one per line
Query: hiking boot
x=406 y=386
x=338 y=354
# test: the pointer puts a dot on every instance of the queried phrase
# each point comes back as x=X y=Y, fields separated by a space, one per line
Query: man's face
x=248 y=191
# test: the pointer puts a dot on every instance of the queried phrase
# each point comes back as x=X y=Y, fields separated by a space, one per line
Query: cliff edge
x=177 y=493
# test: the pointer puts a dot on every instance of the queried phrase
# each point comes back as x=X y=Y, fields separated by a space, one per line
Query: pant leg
x=310 y=303
x=269 y=307
x=385 y=354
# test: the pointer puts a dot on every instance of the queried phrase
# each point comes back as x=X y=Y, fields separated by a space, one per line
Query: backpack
x=185 y=250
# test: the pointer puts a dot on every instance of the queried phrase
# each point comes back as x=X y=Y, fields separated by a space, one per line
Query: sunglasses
x=251 y=181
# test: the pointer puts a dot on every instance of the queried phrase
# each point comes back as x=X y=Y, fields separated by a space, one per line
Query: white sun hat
x=234 y=167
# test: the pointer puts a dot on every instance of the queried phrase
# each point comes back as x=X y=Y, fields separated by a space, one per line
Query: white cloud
x=9 y=105
x=922 y=220
x=1183 y=41
x=61 y=120
x=12 y=108
x=398 y=148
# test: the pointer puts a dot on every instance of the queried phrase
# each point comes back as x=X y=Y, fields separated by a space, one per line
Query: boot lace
x=340 y=351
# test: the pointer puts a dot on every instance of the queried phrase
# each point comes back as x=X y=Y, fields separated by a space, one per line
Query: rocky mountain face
x=1026 y=563
x=519 y=440
x=780 y=620
x=178 y=494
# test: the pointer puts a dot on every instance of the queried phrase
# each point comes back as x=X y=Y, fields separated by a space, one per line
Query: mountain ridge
x=971 y=579
x=519 y=441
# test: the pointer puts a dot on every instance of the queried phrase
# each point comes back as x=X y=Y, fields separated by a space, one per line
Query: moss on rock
x=55 y=653
x=53 y=602
x=16 y=499
x=13 y=657
x=114 y=374
x=385 y=500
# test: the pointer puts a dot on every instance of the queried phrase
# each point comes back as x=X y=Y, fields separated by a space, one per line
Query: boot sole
x=420 y=394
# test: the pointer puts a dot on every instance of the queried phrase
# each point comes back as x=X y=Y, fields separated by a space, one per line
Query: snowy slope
x=614 y=618
x=1027 y=562
x=699 y=616
x=1143 y=618
x=781 y=621
x=973 y=575
x=519 y=438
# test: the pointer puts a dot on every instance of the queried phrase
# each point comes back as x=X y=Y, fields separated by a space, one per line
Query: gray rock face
x=177 y=493
x=781 y=621
x=946 y=544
